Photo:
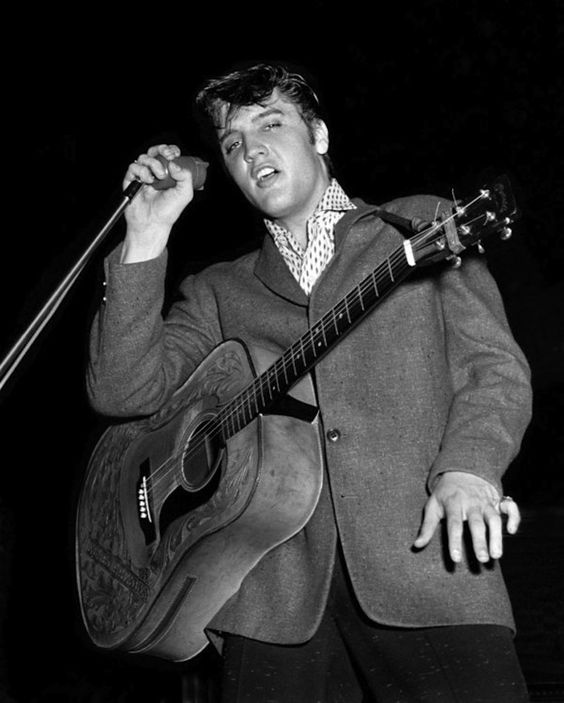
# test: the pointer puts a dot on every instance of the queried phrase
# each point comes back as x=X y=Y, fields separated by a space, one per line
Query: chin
x=275 y=207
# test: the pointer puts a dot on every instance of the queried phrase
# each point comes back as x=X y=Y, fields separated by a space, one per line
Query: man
x=423 y=406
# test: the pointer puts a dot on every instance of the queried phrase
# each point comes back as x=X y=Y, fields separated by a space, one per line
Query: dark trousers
x=352 y=660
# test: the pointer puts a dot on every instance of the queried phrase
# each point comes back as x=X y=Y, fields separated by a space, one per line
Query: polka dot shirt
x=307 y=265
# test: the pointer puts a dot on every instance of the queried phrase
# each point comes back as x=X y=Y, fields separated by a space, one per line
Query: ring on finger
x=504 y=499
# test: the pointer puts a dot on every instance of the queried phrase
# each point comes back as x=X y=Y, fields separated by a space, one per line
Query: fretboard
x=302 y=356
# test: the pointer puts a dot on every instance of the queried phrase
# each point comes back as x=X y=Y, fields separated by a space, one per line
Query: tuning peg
x=455 y=262
x=480 y=248
x=506 y=233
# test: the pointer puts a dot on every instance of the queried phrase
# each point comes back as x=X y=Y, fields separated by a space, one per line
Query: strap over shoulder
x=405 y=226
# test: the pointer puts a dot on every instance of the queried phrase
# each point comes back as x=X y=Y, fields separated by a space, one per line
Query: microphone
x=194 y=164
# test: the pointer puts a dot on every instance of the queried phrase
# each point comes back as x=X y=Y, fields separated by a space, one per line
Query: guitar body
x=168 y=525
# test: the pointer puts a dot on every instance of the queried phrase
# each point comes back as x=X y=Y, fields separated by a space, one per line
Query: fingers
x=169 y=151
x=432 y=516
x=455 y=529
x=486 y=533
x=148 y=167
x=486 y=527
x=509 y=507
x=483 y=517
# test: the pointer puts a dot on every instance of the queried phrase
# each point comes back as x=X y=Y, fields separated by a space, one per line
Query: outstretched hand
x=460 y=497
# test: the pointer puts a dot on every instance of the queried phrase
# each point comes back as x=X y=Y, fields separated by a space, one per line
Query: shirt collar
x=334 y=199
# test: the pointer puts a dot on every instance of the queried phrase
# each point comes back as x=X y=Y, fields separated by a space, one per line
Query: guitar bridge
x=143 y=499
x=144 y=511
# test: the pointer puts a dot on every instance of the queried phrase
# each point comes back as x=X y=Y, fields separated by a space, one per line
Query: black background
x=420 y=97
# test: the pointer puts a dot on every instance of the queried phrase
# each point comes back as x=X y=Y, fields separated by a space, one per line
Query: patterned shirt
x=307 y=265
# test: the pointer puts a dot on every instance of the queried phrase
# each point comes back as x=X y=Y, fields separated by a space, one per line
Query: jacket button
x=333 y=435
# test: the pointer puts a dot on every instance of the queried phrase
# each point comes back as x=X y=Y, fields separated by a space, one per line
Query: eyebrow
x=257 y=118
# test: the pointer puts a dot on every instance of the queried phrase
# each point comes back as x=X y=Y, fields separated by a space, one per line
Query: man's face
x=269 y=152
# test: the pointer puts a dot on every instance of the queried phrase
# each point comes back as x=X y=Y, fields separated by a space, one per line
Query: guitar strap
x=405 y=226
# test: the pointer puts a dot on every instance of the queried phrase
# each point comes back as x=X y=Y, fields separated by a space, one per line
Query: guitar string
x=244 y=397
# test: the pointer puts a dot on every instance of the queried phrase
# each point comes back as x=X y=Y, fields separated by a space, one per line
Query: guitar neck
x=302 y=356
x=490 y=211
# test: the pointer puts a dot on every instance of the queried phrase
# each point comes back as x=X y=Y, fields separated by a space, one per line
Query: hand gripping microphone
x=195 y=165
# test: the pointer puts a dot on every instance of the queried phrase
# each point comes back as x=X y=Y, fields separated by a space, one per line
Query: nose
x=254 y=147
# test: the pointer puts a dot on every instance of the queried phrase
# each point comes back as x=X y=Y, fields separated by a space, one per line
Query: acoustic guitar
x=177 y=508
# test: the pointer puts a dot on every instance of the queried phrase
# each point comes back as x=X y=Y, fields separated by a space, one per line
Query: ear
x=321 y=137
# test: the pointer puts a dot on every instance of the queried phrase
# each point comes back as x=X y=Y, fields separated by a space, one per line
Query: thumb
x=432 y=515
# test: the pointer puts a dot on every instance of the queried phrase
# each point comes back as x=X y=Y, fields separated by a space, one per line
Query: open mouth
x=266 y=175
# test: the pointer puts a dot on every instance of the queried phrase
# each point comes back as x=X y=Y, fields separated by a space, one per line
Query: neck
x=298 y=231
x=296 y=223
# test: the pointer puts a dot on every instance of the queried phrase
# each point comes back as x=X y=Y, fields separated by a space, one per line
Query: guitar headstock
x=492 y=210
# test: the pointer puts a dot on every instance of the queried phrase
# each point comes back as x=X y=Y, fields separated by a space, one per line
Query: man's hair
x=253 y=85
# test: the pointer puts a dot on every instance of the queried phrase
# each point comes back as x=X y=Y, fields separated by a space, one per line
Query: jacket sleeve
x=491 y=407
x=136 y=358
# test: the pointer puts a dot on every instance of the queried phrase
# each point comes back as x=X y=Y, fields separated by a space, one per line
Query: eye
x=272 y=125
x=230 y=148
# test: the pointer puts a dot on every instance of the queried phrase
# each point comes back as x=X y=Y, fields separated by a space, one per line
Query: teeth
x=264 y=172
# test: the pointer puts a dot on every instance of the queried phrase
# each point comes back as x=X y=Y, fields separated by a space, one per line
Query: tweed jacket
x=431 y=381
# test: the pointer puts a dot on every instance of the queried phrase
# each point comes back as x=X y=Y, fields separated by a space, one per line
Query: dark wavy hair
x=253 y=85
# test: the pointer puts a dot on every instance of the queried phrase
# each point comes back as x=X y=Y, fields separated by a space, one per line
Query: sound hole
x=201 y=475
x=201 y=458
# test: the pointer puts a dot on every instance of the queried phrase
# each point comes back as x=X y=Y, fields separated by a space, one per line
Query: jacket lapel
x=273 y=271
x=275 y=274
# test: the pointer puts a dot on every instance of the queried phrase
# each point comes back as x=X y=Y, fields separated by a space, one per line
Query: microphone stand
x=24 y=343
